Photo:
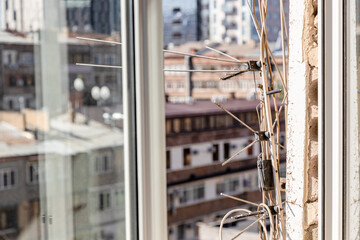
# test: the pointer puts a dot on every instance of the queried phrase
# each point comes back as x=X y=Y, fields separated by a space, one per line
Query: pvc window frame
x=334 y=72
x=330 y=119
x=144 y=123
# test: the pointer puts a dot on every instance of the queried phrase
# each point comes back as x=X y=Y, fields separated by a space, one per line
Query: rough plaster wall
x=302 y=156
x=296 y=124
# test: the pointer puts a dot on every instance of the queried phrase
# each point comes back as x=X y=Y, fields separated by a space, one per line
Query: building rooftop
x=14 y=38
x=207 y=107
x=64 y=138
x=70 y=38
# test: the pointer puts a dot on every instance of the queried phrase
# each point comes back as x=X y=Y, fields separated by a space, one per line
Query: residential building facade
x=231 y=22
x=74 y=165
x=185 y=21
x=199 y=138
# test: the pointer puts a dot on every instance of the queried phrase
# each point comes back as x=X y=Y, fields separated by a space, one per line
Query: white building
x=200 y=137
x=21 y=16
x=230 y=21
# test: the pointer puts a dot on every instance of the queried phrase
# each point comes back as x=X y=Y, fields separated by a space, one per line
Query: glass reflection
x=61 y=129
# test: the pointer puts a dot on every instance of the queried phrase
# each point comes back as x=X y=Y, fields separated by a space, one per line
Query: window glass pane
x=352 y=117
x=61 y=126
x=200 y=135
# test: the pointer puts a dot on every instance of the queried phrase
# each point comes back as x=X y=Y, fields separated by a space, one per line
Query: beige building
x=182 y=86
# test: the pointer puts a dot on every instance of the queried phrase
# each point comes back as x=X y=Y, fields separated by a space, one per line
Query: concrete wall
x=302 y=129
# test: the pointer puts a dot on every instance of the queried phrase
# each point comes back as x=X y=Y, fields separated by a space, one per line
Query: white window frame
x=334 y=17
x=330 y=24
x=142 y=60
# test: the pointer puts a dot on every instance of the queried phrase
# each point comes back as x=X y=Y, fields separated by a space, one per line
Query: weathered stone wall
x=302 y=129
x=310 y=53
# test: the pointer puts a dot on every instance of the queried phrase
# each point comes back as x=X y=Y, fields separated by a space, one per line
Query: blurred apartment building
x=188 y=86
x=199 y=137
x=105 y=17
x=20 y=77
x=230 y=21
x=99 y=16
x=63 y=166
x=226 y=21
x=185 y=21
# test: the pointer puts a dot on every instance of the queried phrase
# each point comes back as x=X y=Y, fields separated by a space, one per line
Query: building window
x=199 y=192
x=177 y=35
x=6 y=4
x=98 y=80
x=10 y=104
x=215 y=152
x=247 y=182
x=220 y=121
x=78 y=58
x=176 y=10
x=226 y=150
x=119 y=197
x=251 y=118
x=110 y=59
x=186 y=157
x=33 y=173
x=7 y=179
x=186 y=124
x=180 y=85
x=9 y=57
x=227 y=186
x=241 y=117
x=176 y=125
x=27 y=59
x=98 y=59
x=210 y=122
x=8 y=219
x=104 y=200
x=110 y=79
x=228 y=121
x=192 y=194
x=282 y=143
x=12 y=81
x=103 y=163
x=177 y=22
x=250 y=149
x=199 y=123
x=181 y=232
x=168 y=126
x=15 y=15
x=168 y=160
x=168 y=85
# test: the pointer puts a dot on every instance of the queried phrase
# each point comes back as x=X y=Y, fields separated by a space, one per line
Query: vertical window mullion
x=130 y=148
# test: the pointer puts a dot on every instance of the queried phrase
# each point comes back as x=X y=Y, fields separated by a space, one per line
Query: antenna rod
x=98 y=40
